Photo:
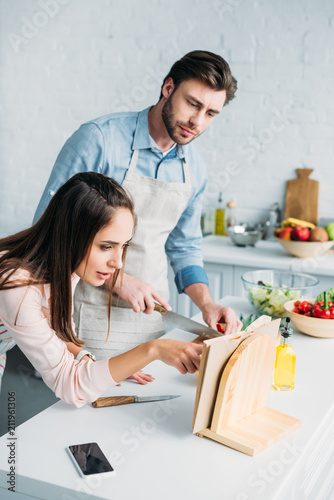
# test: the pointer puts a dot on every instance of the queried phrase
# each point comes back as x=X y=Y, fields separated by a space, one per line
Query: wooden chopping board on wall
x=302 y=197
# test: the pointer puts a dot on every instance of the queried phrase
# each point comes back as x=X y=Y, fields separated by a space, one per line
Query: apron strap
x=186 y=171
x=133 y=161
x=185 y=165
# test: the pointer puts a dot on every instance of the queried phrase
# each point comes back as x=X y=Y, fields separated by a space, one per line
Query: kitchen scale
x=233 y=383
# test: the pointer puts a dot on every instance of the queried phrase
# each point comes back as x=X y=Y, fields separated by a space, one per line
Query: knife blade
x=125 y=400
x=186 y=324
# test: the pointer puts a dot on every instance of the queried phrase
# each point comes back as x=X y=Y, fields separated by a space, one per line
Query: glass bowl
x=269 y=290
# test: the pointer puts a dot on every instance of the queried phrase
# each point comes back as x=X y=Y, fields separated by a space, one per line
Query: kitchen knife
x=125 y=400
x=186 y=324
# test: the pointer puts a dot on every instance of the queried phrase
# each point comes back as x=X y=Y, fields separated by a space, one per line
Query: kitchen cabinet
x=225 y=263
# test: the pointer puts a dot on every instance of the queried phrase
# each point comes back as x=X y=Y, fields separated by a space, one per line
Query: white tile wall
x=63 y=62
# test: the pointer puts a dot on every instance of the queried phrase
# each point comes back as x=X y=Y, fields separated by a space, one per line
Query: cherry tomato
x=220 y=327
x=316 y=311
x=325 y=314
x=304 y=306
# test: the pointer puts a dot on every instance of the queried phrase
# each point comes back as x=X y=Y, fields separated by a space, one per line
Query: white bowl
x=305 y=249
x=316 y=327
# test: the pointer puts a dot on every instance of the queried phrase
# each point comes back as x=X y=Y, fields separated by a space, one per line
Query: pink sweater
x=24 y=311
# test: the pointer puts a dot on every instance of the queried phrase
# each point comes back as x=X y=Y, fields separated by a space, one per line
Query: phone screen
x=90 y=458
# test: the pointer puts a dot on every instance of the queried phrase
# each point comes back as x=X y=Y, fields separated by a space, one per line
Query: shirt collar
x=143 y=140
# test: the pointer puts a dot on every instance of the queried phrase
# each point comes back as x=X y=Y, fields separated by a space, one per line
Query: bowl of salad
x=269 y=290
x=314 y=317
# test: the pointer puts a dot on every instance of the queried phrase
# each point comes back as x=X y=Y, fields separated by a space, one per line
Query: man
x=151 y=154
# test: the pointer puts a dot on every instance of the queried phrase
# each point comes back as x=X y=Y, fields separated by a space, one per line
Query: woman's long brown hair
x=52 y=249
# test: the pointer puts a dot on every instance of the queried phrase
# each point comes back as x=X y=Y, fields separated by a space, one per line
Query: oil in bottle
x=220 y=217
x=284 y=373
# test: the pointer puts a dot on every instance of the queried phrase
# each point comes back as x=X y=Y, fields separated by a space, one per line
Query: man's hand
x=215 y=313
x=139 y=295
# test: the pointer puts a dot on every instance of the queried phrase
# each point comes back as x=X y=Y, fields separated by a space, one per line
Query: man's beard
x=170 y=123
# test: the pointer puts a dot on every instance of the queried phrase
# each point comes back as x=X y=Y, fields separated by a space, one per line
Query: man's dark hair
x=205 y=67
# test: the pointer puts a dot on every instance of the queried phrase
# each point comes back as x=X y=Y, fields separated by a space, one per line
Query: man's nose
x=196 y=119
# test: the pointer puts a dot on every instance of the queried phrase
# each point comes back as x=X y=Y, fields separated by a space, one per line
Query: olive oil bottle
x=284 y=373
x=220 y=217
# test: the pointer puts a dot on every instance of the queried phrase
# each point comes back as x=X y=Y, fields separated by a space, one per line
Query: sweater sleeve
x=73 y=382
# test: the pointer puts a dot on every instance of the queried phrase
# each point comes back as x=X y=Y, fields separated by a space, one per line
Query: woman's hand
x=184 y=356
x=141 y=378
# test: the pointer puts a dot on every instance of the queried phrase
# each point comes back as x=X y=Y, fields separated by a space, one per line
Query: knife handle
x=159 y=308
x=113 y=401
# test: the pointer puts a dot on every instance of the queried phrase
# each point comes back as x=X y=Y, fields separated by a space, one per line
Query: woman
x=83 y=233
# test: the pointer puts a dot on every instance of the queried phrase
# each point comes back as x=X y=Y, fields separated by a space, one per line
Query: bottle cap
x=232 y=204
x=286 y=330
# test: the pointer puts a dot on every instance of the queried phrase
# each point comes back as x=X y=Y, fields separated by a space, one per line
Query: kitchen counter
x=155 y=455
x=266 y=254
x=225 y=263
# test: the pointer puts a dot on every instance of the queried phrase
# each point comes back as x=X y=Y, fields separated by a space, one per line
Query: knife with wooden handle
x=125 y=400
x=186 y=324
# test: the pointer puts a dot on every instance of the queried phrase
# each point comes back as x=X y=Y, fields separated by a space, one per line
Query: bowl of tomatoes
x=314 y=317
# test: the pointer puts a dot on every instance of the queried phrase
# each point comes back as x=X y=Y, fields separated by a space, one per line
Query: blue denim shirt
x=105 y=145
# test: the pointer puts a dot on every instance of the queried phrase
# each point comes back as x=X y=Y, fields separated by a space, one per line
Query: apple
x=330 y=230
x=300 y=233
x=285 y=234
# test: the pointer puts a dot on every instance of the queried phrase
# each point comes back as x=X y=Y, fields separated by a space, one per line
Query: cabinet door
x=220 y=284
x=238 y=288
x=220 y=279
x=180 y=303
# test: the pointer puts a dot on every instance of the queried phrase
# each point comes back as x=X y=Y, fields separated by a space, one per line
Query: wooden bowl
x=305 y=249
x=315 y=327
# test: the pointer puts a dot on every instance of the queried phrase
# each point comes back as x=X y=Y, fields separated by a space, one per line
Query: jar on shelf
x=231 y=209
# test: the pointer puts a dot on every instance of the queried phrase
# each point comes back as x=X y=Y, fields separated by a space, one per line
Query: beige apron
x=158 y=206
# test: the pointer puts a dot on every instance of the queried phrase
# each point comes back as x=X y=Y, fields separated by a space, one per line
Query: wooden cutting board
x=302 y=197
x=240 y=418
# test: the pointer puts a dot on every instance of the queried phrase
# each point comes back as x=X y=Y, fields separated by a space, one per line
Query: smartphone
x=89 y=459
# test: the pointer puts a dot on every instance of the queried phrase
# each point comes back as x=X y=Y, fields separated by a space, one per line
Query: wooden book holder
x=240 y=418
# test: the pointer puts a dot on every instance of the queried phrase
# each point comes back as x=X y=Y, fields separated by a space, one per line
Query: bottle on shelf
x=220 y=217
x=231 y=219
x=284 y=373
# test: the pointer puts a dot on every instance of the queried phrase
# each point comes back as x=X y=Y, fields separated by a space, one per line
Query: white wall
x=66 y=61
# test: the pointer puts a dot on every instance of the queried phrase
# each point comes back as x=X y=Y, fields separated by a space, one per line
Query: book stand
x=240 y=418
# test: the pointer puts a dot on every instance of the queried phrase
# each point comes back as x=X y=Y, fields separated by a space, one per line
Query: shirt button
x=51 y=192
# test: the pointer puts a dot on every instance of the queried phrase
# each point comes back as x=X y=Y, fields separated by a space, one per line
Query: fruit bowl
x=315 y=327
x=269 y=290
x=305 y=249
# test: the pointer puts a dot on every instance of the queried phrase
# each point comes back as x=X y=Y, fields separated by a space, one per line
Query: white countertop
x=266 y=254
x=156 y=456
